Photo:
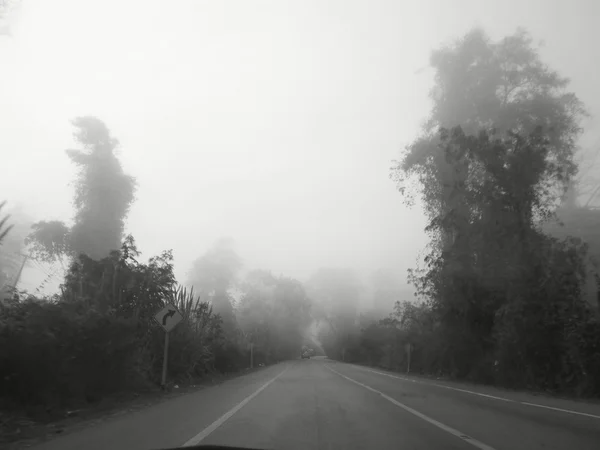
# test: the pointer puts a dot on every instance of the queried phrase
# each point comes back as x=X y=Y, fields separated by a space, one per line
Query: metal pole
x=251 y=355
x=165 y=359
x=408 y=367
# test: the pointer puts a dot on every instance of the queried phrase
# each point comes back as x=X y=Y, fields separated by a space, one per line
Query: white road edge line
x=452 y=431
x=537 y=405
x=221 y=420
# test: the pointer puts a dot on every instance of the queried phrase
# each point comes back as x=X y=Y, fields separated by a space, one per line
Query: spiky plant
x=4 y=227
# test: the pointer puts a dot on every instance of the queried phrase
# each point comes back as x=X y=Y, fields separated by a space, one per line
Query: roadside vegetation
x=508 y=288
x=97 y=336
x=505 y=294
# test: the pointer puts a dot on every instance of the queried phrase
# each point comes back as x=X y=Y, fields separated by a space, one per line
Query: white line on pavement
x=225 y=417
x=454 y=432
x=568 y=411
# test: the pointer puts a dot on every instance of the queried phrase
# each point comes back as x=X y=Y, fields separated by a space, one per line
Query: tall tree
x=494 y=159
x=214 y=274
x=480 y=84
x=484 y=84
x=274 y=314
x=336 y=294
x=103 y=195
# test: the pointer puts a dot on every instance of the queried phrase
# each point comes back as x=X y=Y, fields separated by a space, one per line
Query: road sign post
x=163 y=381
x=407 y=347
x=167 y=318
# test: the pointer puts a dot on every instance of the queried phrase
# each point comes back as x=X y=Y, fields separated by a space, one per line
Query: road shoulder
x=585 y=406
x=21 y=432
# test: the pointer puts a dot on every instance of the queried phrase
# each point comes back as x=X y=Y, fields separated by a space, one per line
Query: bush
x=60 y=354
x=97 y=338
x=544 y=334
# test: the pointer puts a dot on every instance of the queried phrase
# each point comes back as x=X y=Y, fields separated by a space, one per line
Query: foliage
x=121 y=283
x=503 y=301
x=198 y=340
x=4 y=227
x=97 y=337
x=336 y=294
x=103 y=196
x=49 y=240
x=498 y=282
x=273 y=315
x=581 y=222
x=383 y=342
x=103 y=192
x=481 y=84
x=213 y=275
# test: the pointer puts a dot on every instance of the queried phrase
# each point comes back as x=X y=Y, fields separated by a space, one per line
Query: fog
x=272 y=123
x=196 y=189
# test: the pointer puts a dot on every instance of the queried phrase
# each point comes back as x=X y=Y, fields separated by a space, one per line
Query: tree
x=274 y=315
x=581 y=222
x=335 y=293
x=291 y=316
x=103 y=192
x=494 y=247
x=493 y=161
x=49 y=240
x=214 y=274
x=103 y=196
x=482 y=84
x=255 y=312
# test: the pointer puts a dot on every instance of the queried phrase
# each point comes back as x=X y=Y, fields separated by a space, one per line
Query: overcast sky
x=272 y=122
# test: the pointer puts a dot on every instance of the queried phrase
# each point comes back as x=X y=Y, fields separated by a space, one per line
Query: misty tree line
x=97 y=337
x=509 y=282
x=504 y=292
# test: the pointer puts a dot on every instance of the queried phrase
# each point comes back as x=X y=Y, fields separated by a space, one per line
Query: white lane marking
x=221 y=420
x=537 y=405
x=474 y=442
x=569 y=411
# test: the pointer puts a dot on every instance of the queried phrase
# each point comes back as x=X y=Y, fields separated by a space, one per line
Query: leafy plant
x=103 y=196
x=4 y=226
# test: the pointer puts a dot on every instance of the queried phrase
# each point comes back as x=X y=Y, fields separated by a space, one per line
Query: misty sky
x=272 y=122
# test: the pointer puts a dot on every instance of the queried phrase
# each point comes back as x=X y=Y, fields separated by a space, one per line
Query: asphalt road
x=320 y=404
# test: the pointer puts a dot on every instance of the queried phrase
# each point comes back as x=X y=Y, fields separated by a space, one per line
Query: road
x=321 y=404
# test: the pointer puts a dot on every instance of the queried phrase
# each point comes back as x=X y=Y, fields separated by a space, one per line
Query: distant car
x=305 y=355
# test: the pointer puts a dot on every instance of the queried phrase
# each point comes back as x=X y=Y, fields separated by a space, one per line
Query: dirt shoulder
x=17 y=430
